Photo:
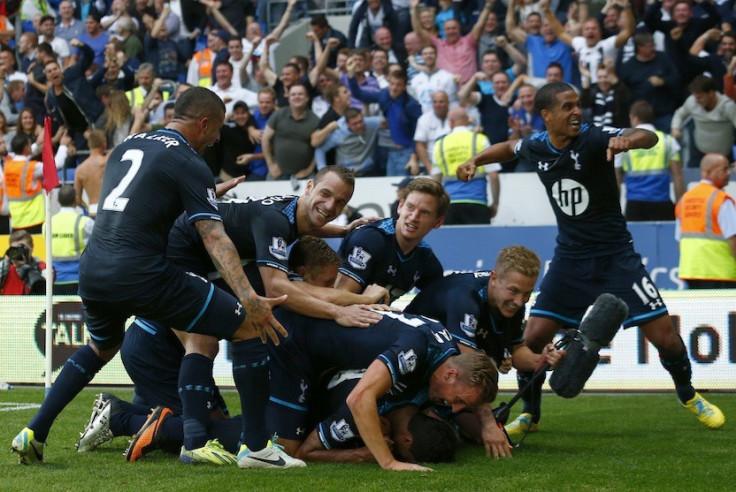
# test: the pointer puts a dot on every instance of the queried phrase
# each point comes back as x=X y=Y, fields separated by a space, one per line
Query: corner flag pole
x=50 y=181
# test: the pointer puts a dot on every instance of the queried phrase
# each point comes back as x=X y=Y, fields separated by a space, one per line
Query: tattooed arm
x=259 y=320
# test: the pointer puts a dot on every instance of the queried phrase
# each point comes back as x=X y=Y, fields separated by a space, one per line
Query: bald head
x=412 y=43
x=710 y=161
x=458 y=117
x=716 y=169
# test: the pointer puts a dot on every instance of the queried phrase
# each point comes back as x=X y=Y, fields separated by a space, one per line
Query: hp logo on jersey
x=571 y=197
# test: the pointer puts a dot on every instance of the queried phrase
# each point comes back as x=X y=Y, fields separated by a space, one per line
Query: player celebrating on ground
x=594 y=251
x=150 y=179
x=485 y=311
x=403 y=354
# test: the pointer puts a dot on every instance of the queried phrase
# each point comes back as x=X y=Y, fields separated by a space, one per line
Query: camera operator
x=20 y=272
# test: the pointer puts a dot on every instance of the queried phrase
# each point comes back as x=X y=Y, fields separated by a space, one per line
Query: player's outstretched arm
x=300 y=301
x=500 y=152
x=313 y=450
x=260 y=319
x=494 y=438
x=372 y=294
x=362 y=403
x=332 y=230
x=225 y=186
x=631 y=138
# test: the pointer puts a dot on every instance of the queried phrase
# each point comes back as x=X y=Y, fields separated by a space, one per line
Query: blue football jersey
x=371 y=255
x=460 y=302
x=261 y=230
x=582 y=189
x=150 y=179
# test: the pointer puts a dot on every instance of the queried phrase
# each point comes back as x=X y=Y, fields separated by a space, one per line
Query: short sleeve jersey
x=336 y=428
x=371 y=255
x=150 y=179
x=582 y=189
x=411 y=347
x=460 y=302
x=261 y=230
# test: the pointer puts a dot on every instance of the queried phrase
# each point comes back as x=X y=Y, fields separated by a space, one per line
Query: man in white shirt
x=237 y=58
x=46 y=30
x=431 y=80
x=591 y=49
x=432 y=125
x=228 y=92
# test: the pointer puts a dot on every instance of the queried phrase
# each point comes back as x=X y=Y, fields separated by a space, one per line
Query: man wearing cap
x=229 y=92
x=232 y=154
x=203 y=62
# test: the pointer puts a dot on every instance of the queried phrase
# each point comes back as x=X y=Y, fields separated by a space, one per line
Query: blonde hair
x=518 y=259
x=477 y=370
x=118 y=111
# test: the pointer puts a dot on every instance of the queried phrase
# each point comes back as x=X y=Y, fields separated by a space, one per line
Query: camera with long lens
x=19 y=253
x=29 y=272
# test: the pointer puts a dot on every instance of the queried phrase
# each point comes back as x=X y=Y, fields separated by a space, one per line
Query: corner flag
x=50 y=177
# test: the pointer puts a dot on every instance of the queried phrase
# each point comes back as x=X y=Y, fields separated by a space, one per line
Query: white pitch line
x=13 y=406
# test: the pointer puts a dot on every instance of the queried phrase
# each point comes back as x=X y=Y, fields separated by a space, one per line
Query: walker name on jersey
x=164 y=139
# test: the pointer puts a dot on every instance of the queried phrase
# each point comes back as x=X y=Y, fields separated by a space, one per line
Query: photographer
x=20 y=272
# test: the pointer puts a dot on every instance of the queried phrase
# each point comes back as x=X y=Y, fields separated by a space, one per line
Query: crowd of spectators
x=374 y=98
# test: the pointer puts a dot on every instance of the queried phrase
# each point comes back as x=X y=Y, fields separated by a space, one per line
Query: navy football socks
x=532 y=398
x=128 y=418
x=78 y=371
x=196 y=390
x=682 y=374
x=250 y=372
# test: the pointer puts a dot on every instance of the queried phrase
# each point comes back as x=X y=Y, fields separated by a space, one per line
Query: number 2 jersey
x=582 y=189
x=150 y=179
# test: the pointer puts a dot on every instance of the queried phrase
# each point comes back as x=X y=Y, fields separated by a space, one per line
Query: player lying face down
x=404 y=355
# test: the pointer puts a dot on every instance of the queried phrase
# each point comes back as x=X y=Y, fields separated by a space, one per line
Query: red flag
x=50 y=177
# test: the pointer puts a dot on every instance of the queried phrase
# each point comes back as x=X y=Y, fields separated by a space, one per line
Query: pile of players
x=338 y=373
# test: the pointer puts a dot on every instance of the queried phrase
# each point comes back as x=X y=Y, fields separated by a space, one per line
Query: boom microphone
x=597 y=330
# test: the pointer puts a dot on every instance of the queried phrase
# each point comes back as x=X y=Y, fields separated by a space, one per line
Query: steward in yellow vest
x=648 y=173
x=70 y=232
x=468 y=201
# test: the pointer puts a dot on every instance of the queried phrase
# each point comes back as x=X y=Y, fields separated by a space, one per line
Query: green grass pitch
x=632 y=442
